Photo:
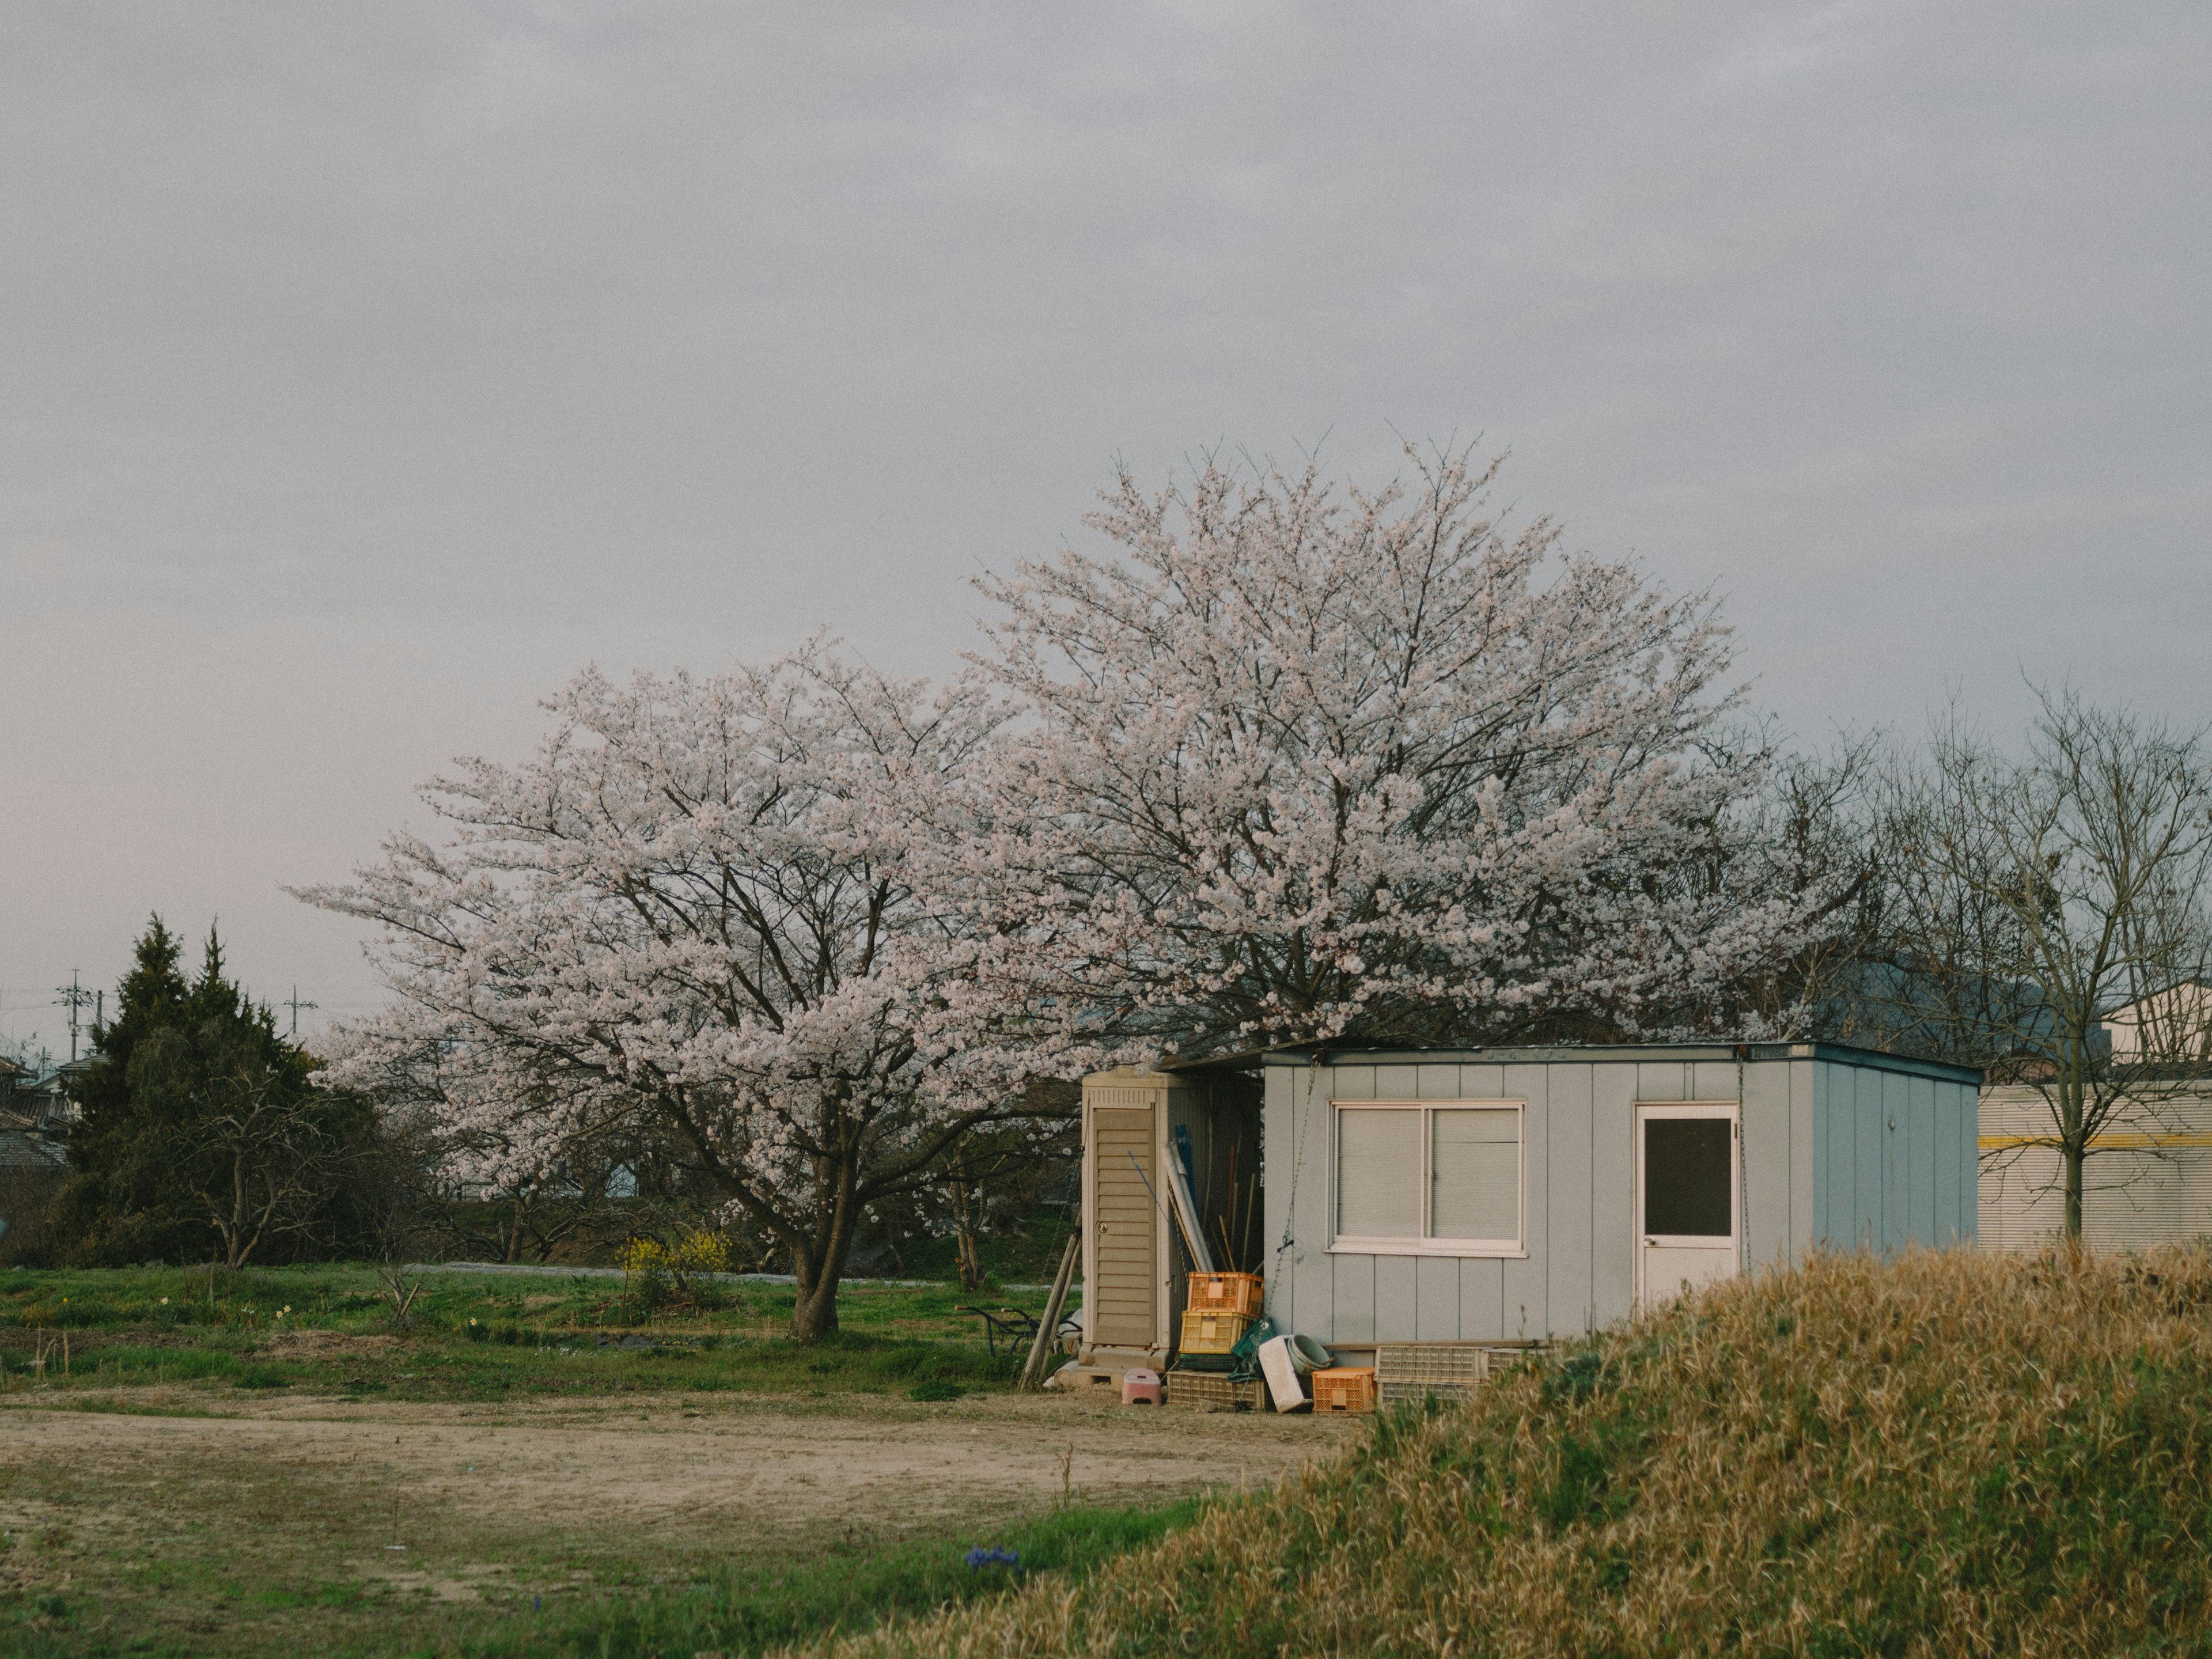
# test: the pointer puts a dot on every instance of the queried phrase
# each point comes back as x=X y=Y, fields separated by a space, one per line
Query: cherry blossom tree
x=1300 y=762
x=696 y=905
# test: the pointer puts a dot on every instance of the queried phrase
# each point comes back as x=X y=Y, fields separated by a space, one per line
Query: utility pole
x=76 y=998
x=295 y=1005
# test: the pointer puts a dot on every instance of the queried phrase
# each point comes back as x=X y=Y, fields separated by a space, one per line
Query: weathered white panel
x=1766 y=1153
x=1662 y=1080
x=1482 y=1083
x=1397 y=1317
x=1394 y=1083
x=1355 y=1298
x=1613 y=1191
x=1571 y=1293
x=1714 y=1080
x=1279 y=1085
x=1313 y=1278
x=1527 y=1286
x=1801 y=1225
x=1435 y=1298
x=1481 y=1299
x=1350 y=1082
x=1436 y=1083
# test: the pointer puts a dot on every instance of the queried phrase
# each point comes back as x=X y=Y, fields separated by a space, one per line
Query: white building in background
x=2179 y=1021
x=2149 y=1182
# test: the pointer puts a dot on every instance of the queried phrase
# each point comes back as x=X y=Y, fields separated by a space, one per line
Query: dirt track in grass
x=697 y=1464
x=277 y=1519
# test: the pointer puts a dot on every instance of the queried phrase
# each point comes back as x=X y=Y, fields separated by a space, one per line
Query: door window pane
x=1686 y=1166
x=1474 y=1174
x=1378 y=1174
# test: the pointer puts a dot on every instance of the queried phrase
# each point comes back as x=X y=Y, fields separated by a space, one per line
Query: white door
x=1689 y=1198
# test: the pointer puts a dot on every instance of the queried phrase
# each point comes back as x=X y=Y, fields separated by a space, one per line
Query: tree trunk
x=967 y=1257
x=2073 y=1155
x=818 y=1266
x=814 y=1316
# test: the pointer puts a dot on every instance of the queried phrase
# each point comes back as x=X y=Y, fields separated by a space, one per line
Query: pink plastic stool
x=1142 y=1388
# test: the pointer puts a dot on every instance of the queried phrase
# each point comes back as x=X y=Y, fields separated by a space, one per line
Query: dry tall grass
x=1948 y=1454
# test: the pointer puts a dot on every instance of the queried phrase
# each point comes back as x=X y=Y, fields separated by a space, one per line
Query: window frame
x=1467 y=1248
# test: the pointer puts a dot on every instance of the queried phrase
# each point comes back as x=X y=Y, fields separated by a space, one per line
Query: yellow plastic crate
x=1205 y=1330
x=1226 y=1293
x=1344 y=1389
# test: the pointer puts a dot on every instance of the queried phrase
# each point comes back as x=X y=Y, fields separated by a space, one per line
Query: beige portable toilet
x=1135 y=1266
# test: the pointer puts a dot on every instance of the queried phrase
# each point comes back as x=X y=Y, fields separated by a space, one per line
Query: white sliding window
x=1425 y=1178
x=1376 y=1151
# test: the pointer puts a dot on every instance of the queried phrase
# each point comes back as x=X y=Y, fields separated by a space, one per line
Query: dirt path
x=697 y=1464
x=281 y=1526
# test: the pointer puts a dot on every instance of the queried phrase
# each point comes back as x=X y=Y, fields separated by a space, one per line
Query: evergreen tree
x=203 y=1136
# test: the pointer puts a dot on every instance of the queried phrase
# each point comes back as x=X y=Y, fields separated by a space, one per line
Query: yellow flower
x=165 y=1301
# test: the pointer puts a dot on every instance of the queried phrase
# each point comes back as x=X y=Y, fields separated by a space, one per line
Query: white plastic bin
x=1284 y=1360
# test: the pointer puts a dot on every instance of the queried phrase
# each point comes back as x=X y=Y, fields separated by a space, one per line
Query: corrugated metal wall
x=1892 y=1163
x=1578 y=1271
x=1820 y=1164
x=2151 y=1185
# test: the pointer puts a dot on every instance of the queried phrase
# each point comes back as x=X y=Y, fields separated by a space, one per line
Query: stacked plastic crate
x=1221 y=1308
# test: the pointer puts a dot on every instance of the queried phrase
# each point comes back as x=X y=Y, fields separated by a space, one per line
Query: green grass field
x=840 y=1591
x=328 y=1328
x=258 y=1465
x=744 y=1610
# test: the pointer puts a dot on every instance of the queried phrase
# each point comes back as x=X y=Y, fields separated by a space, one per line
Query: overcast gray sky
x=366 y=370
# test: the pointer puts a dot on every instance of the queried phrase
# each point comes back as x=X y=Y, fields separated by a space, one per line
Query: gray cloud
x=368 y=371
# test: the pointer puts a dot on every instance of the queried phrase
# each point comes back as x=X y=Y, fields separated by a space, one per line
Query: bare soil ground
x=300 y=1521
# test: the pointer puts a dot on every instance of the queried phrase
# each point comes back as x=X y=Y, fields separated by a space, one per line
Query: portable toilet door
x=1126 y=1257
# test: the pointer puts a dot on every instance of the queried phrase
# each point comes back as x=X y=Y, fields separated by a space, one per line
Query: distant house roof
x=23 y=1148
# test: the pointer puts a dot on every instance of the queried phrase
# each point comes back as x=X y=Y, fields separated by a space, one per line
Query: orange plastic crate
x=1237 y=1293
x=1344 y=1389
x=1205 y=1331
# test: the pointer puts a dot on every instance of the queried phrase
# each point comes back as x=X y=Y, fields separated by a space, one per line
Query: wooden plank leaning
x=1032 y=1378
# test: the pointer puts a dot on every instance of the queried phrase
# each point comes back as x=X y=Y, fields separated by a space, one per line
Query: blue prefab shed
x=1490 y=1195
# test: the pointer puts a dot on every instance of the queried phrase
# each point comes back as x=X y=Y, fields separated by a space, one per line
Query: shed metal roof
x=1306 y=1054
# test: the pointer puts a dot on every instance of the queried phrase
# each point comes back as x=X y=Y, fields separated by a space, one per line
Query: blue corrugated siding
x=1893 y=1159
